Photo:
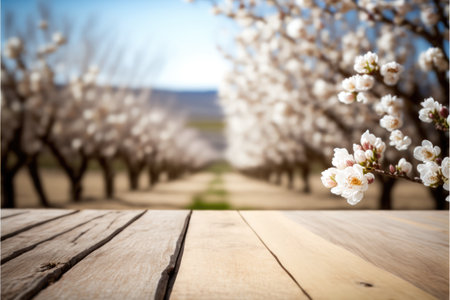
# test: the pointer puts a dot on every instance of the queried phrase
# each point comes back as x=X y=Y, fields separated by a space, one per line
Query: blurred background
x=169 y=104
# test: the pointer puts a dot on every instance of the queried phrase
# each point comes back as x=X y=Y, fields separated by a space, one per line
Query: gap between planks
x=276 y=258
x=51 y=277
x=28 y=227
x=25 y=249
x=169 y=275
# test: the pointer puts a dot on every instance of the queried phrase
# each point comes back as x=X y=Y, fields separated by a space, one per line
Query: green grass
x=219 y=167
x=211 y=126
x=199 y=203
x=215 y=196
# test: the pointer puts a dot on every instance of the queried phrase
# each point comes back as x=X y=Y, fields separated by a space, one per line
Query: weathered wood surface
x=27 y=240
x=224 y=259
x=101 y=254
x=411 y=247
x=130 y=266
x=27 y=274
x=322 y=268
x=15 y=223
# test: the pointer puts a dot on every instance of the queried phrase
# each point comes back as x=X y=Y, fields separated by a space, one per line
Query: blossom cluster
x=434 y=112
x=351 y=174
x=433 y=58
x=433 y=170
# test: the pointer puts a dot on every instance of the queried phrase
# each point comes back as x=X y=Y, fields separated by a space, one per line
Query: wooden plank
x=224 y=259
x=36 y=217
x=27 y=274
x=416 y=253
x=322 y=268
x=433 y=220
x=7 y=213
x=131 y=266
x=27 y=240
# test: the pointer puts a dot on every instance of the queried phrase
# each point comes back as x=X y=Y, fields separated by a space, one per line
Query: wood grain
x=418 y=254
x=20 y=223
x=7 y=213
x=224 y=259
x=27 y=274
x=27 y=240
x=128 y=267
x=324 y=269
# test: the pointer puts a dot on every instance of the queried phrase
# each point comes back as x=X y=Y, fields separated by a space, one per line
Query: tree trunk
x=133 y=178
x=75 y=189
x=278 y=178
x=385 y=199
x=439 y=195
x=108 y=177
x=36 y=179
x=153 y=175
x=8 y=194
x=290 y=174
x=305 y=176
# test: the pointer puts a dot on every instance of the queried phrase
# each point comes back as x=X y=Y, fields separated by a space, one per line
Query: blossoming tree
x=292 y=84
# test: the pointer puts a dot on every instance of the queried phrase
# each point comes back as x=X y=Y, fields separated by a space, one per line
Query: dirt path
x=248 y=193
x=210 y=191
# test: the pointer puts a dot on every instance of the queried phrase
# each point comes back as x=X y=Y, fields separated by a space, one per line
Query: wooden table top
x=179 y=254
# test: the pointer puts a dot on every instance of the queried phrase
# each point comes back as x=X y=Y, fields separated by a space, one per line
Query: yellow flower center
x=427 y=154
x=355 y=181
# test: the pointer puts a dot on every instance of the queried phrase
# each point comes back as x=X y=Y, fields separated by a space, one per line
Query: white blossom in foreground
x=426 y=152
x=429 y=173
x=366 y=63
x=429 y=110
x=342 y=158
x=371 y=142
x=399 y=140
x=350 y=177
x=352 y=183
x=445 y=168
x=391 y=105
x=390 y=123
x=329 y=178
x=434 y=112
x=364 y=82
x=347 y=97
x=404 y=166
x=391 y=72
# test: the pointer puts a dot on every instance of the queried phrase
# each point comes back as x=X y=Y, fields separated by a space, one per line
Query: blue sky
x=184 y=35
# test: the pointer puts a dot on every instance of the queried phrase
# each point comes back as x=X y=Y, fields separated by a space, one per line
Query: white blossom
x=352 y=183
x=391 y=72
x=390 y=123
x=328 y=177
x=346 y=97
x=433 y=57
x=366 y=63
x=445 y=167
x=426 y=152
x=295 y=28
x=342 y=158
x=430 y=107
x=364 y=82
x=404 y=166
x=349 y=84
x=429 y=173
x=399 y=140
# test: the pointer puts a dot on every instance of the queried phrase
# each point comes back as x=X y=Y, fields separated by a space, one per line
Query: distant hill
x=202 y=109
x=198 y=105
